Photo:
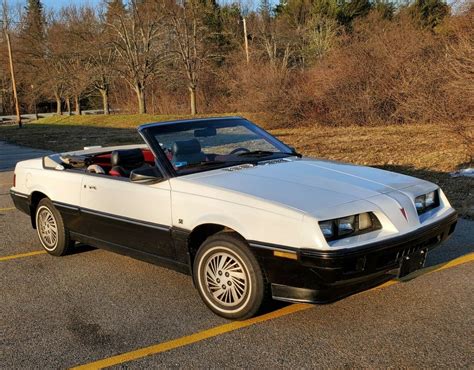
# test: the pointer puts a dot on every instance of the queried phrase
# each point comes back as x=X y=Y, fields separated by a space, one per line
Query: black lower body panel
x=131 y=252
x=326 y=294
x=21 y=201
x=324 y=276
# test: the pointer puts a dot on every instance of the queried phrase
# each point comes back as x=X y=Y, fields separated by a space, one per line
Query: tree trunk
x=59 y=111
x=77 y=105
x=36 y=110
x=68 y=106
x=192 y=96
x=141 y=99
x=105 y=100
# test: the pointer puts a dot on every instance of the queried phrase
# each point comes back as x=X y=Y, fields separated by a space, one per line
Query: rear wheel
x=228 y=277
x=52 y=233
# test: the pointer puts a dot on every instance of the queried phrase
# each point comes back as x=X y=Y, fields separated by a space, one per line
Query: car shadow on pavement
x=81 y=248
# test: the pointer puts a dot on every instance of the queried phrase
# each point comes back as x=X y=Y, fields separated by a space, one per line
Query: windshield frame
x=150 y=131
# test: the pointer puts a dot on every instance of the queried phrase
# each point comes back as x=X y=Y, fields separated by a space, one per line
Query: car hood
x=304 y=184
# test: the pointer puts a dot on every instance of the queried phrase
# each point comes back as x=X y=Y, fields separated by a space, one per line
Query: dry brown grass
x=427 y=151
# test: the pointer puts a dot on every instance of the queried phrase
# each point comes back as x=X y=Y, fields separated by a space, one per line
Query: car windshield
x=196 y=146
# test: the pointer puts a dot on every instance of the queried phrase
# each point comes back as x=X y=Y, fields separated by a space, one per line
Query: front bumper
x=323 y=276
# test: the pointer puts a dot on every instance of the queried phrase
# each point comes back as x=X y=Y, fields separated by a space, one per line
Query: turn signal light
x=289 y=255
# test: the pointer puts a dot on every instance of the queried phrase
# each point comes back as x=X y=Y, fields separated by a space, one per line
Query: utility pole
x=12 y=70
x=246 y=41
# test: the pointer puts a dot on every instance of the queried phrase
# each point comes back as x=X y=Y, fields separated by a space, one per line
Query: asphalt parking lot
x=94 y=306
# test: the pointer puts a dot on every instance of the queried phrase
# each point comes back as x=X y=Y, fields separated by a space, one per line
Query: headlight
x=425 y=202
x=349 y=226
x=346 y=225
x=327 y=227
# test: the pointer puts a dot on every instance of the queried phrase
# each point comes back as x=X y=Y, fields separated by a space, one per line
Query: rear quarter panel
x=60 y=186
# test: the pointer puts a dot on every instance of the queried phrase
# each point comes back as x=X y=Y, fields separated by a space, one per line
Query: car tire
x=228 y=277
x=52 y=233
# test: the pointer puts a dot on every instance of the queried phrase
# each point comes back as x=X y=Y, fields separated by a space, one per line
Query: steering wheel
x=236 y=150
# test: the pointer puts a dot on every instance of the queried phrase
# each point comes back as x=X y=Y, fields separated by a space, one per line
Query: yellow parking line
x=442 y=266
x=226 y=328
x=15 y=256
x=193 y=338
x=7 y=209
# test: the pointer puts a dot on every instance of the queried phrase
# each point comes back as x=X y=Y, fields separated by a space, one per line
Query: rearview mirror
x=146 y=176
x=205 y=132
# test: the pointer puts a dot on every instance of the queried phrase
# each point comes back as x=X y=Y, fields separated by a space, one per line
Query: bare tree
x=102 y=65
x=79 y=23
x=54 y=63
x=192 y=38
x=274 y=38
x=139 y=44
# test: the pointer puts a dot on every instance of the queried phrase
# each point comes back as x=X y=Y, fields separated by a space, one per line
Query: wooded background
x=332 y=62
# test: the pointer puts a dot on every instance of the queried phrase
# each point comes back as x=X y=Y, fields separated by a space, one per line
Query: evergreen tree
x=385 y=8
x=32 y=47
x=33 y=26
x=352 y=9
x=429 y=13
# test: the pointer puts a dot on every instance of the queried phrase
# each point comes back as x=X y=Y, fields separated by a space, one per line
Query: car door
x=128 y=214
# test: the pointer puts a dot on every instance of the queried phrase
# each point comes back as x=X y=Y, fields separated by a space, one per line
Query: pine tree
x=350 y=10
x=33 y=28
x=32 y=48
x=429 y=13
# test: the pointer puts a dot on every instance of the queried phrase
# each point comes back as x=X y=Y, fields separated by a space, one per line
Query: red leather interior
x=114 y=173
x=103 y=160
x=149 y=157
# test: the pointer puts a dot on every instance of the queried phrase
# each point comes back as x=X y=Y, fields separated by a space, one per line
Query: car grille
x=394 y=257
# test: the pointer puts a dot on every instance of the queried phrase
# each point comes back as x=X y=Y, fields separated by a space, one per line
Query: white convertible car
x=244 y=214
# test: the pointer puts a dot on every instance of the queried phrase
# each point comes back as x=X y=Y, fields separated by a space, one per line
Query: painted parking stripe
x=7 y=209
x=427 y=270
x=230 y=327
x=22 y=255
x=193 y=338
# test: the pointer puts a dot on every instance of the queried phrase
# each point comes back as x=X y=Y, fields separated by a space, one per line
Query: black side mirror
x=146 y=176
x=294 y=152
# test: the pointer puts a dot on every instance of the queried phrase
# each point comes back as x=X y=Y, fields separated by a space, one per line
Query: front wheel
x=52 y=233
x=228 y=277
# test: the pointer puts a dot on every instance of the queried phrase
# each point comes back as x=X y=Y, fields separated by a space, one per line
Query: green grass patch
x=118 y=120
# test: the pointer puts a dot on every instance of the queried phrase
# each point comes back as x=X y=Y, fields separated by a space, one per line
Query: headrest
x=186 y=147
x=127 y=158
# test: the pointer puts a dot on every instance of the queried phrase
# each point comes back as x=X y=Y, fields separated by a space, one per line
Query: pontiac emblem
x=404 y=213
